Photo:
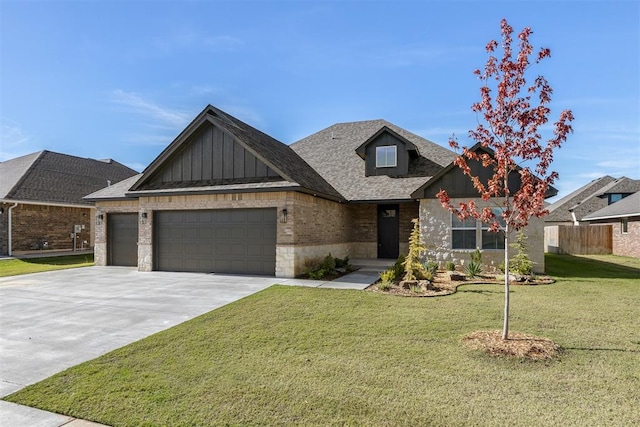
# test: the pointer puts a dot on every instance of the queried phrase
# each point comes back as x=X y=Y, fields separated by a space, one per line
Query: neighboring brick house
x=41 y=200
x=624 y=216
x=225 y=197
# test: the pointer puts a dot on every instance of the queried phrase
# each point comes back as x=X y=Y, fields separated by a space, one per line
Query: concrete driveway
x=55 y=320
x=52 y=321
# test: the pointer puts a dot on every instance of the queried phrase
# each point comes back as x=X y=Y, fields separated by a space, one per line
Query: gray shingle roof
x=280 y=157
x=332 y=152
x=114 y=191
x=620 y=185
x=49 y=177
x=560 y=210
x=627 y=207
x=12 y=171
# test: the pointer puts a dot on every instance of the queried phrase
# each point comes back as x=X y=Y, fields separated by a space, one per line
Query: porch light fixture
x=143 y=217
x=99 y=219
x=283 y=215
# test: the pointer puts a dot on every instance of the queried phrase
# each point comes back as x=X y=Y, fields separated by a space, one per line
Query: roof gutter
x=9 y=240
x=57 y=204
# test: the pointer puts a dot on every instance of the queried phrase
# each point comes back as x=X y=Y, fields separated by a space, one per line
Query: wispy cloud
x=138 y=105
x=13 y=141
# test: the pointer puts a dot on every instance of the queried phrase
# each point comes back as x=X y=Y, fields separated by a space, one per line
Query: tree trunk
x=505 y=327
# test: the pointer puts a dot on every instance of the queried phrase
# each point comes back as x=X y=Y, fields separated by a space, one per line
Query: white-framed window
x=463 y=233
x=386 y=156
x=491 y=240
x=624 y=225
x=472 y=234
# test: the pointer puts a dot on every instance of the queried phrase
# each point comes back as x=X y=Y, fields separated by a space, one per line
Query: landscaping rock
x=455 y=276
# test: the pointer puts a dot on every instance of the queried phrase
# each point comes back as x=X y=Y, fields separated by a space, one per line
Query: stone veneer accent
x=435 y=223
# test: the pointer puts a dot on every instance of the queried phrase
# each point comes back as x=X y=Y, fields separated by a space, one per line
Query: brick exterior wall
x=314 y=228
x=435 y=223
x=33 y=224
x=627 y=244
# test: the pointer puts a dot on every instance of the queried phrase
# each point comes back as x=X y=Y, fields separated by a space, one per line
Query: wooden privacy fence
x=578 y=239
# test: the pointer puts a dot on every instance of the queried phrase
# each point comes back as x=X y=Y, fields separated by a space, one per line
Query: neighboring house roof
x=560 y=210
x=599 y=200
x=55 y=178
x=334 y=153
x=292 y=171
x=627 y=207
x=622 y=185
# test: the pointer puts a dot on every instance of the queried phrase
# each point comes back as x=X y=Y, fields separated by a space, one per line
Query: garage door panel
x=122 y=239
x=224 y=241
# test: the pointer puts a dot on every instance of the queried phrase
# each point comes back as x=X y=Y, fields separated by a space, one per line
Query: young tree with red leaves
x=513 y=113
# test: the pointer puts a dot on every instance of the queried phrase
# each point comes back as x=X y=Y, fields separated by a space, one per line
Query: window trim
x=462 y=227
x=624 y=225
x=479 y=229
x=395 y=156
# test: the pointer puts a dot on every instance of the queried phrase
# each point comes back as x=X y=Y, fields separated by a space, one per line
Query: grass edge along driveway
x=16 y=267
x=290 y=355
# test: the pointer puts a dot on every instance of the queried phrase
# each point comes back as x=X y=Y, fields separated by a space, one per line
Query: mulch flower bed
x=444 y=284
x=517 y=345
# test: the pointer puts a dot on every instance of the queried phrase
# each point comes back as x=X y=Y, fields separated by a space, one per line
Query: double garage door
x=220 y=241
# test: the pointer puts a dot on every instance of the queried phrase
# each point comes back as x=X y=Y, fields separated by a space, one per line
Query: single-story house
x=225 y=197
x=42 y=204
x=624 y=216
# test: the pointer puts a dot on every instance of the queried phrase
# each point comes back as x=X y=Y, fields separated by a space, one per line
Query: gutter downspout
x=9 y=240
x=575 y=220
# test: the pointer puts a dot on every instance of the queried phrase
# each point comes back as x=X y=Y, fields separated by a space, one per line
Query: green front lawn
x=14 y=267
x=307 y=356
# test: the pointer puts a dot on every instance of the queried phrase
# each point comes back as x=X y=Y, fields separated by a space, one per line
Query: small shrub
x=474 y=268
x=450 y=266
x=388 y=275
x=328 y=266
x=476 y=256
x=414 y=270
x=398 y=267
x=385 y=285
x=431 y=267
x=317 y=274
x=343 y=263
x=417 y=289
x=521 y=263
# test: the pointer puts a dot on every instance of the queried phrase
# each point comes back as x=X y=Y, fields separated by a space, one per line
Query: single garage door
x=122 y=239
x=219 y=241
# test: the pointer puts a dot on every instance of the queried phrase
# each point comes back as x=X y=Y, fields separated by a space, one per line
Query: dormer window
x=387 y=156
x=387 y=153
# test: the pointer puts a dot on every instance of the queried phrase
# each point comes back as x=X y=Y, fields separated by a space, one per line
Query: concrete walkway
x=55 y=320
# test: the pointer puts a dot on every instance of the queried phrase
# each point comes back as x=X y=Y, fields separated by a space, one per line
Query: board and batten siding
x=213 y=155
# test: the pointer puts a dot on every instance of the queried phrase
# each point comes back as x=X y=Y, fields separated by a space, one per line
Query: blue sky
x=121 y=79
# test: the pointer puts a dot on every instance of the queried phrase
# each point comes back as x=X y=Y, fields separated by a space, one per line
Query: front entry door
x=388 y=231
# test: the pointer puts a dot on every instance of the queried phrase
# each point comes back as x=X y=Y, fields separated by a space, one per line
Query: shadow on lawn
x=621 y=350
x=575 y=266
x=485 y=292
